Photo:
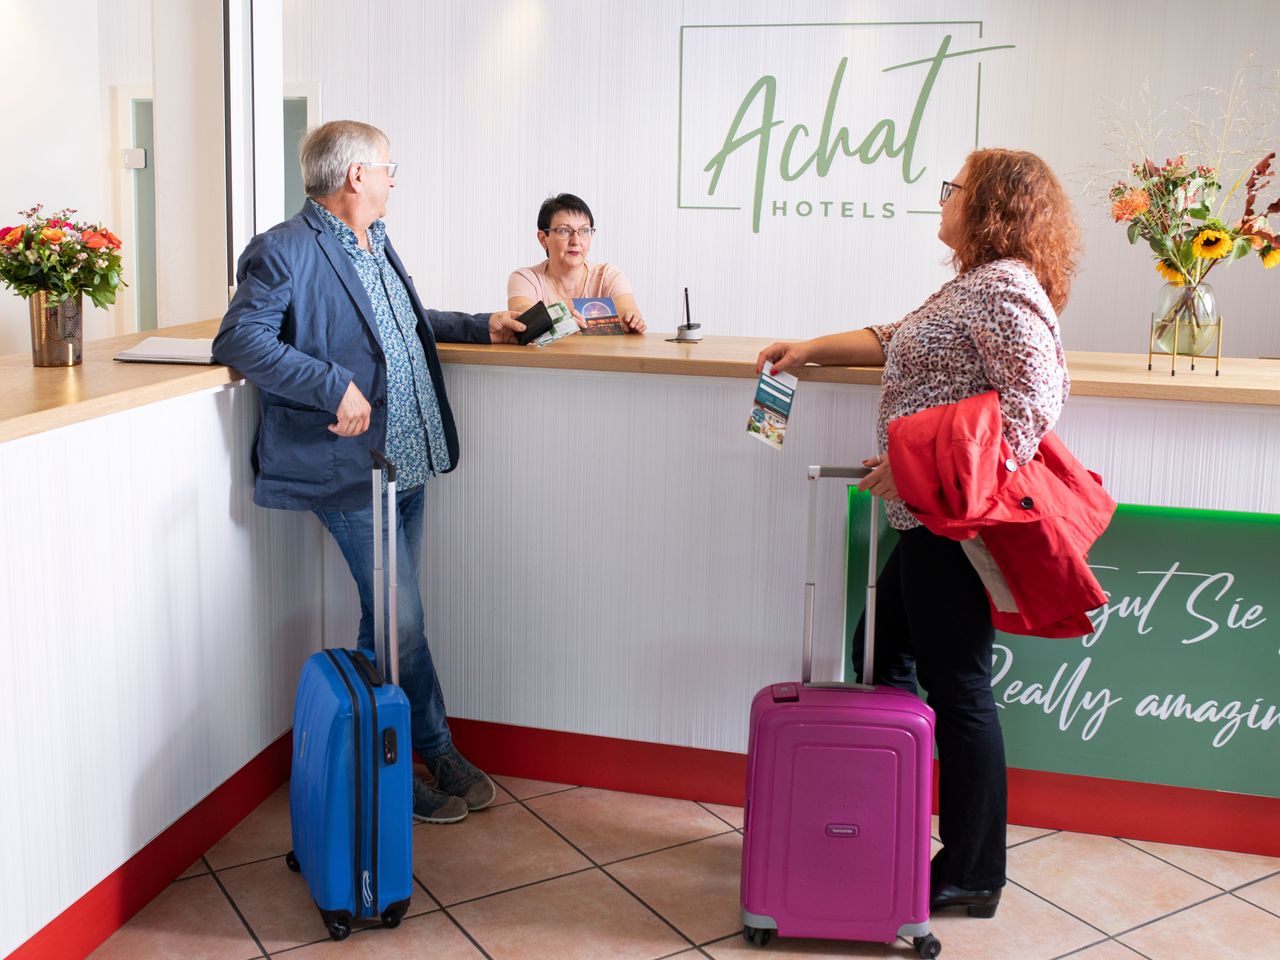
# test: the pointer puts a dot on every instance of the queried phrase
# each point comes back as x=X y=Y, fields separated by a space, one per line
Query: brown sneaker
x=435 y=806
x=456 y=775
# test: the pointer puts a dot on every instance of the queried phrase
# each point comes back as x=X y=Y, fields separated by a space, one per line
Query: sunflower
x=1170 y=273
x=1211 y=244
x=1270 y=257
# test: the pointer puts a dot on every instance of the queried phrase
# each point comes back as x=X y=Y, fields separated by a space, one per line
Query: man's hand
x=634 y=322
x=353 y=413
x=503 y=327
x=879 y=482
x=783 y=356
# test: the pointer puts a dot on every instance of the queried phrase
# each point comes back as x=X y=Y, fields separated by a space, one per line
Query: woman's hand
x=879 y=482
x=783 y=355
x=633 y=321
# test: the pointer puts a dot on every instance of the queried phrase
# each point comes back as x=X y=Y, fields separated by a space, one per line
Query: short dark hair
x=562 y=201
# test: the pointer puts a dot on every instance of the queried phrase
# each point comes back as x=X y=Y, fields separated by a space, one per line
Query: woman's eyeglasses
x=948 y=188
x=564 y=233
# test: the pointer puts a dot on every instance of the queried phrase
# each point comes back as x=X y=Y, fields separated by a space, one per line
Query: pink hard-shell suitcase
x=839 y=787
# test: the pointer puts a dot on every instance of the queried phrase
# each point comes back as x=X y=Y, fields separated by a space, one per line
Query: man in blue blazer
x=327 y=324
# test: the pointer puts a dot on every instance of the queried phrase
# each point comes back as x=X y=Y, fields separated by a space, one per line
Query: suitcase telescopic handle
x=810 y=579
x=392 y=666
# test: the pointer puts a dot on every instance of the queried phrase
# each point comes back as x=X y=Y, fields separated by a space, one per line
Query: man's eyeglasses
x=948 y=188
x=564 y=233
x=391 y=167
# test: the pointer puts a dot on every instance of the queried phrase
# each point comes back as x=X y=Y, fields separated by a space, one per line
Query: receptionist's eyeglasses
x=948 y=188
x=564 y=233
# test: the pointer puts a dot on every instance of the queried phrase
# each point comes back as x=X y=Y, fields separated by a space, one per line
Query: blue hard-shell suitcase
x=351 y=791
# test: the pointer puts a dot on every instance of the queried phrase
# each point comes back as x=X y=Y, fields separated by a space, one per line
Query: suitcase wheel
x=760 y=936
x=291 y=862
x=392 y=916
x=339 y=929
x=927 y=946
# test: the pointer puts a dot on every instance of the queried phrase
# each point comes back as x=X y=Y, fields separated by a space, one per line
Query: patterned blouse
x=991 y=327
x=415 y=431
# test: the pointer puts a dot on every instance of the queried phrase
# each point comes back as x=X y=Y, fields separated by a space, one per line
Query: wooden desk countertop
x=33 y=400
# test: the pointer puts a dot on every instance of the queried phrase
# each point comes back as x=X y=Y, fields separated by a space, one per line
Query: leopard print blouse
x=991 y=327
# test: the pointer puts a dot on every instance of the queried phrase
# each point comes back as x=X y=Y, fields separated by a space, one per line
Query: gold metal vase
x=56 y=330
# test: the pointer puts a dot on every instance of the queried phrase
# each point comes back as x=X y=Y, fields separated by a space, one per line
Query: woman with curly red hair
x=994 y=326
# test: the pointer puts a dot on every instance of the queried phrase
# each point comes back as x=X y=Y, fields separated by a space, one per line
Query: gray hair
x=328 y=151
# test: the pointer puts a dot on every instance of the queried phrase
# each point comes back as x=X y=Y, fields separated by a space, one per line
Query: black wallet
x=536 y=320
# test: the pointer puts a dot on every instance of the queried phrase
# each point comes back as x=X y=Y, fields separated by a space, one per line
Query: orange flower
x=51 y=235
x=12 y=236
x=93 y=239
x=112 y=240
x=1132 y=204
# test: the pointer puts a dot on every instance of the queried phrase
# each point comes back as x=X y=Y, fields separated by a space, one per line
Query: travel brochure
x=772 y=407
x=600 y=316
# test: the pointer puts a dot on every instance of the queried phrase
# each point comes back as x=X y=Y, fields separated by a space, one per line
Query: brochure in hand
x=772 y=406
x=600 y=316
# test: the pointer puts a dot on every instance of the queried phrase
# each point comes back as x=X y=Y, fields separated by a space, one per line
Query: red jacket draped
x=1034 y=523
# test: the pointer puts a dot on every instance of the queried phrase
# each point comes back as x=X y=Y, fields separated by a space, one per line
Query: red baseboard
x=1116 y=808
x=79 y=929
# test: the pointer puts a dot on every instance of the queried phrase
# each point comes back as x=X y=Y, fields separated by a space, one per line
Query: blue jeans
x=353 y=530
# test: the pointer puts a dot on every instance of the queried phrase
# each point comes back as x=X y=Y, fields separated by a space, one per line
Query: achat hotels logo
x=835 y=121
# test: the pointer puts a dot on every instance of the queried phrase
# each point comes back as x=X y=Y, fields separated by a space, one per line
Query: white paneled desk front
x=614 y=555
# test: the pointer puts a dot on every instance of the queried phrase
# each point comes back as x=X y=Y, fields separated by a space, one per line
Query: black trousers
x=933 y=625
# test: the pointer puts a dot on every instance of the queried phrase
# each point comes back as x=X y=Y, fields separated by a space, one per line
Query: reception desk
x=613 y=558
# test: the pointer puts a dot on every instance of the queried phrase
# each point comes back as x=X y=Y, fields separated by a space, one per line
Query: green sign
x=1178 y=684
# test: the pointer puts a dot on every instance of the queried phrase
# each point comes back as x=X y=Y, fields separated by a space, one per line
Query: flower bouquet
x=1171 y=207
x=52 y=262
x=60 y=257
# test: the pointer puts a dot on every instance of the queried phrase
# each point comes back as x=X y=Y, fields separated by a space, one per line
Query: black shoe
x=981 y=903
x=454 y=774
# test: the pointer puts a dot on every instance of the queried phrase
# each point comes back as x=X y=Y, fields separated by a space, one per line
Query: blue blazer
x=300 y=328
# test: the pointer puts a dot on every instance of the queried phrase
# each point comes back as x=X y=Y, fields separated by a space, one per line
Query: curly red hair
x=1012 y=205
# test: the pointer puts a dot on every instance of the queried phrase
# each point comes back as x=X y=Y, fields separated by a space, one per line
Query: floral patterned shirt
x=415 y=430
x=991 y=327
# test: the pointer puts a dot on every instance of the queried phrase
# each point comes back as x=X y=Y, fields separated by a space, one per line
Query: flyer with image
x=772 y=406
x=600 y=316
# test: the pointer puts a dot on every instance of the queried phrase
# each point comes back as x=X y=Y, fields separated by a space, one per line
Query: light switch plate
x=135 y=158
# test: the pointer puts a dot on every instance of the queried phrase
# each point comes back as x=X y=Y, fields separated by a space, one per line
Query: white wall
x=53 y=129
x=493 y=104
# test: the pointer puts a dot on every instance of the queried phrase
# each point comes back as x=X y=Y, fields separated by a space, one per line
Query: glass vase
x=1185 y=321
x=56 y=332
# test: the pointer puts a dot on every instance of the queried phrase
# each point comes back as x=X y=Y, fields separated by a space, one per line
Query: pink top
x=603 y=280
x=992 y=327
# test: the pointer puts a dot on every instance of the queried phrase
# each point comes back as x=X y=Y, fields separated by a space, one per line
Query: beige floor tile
x=191 y=920
x=1024 y=928
x=695 y=887
x=1102 y=880
x=506 y=847
x=1021 y=834
x=1110 y=950
x=195 y=870
x=275 y=902
x=277 y=905
x=433 y=936
x=1224 y=868
x=263 y=833
x=1222 y=929
x=735 y=948
x=731 y=815
x=586 y=916
x=608 y=826
x=523 y=789
x=1265 y=893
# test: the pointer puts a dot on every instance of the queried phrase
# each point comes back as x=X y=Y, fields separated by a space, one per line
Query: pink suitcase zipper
x=838 y=794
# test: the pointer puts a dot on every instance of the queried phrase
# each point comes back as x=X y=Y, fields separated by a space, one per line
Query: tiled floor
x=574 y=873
